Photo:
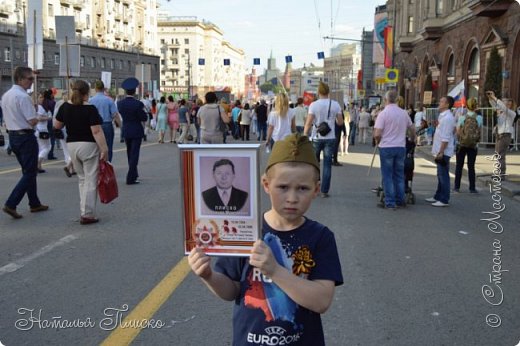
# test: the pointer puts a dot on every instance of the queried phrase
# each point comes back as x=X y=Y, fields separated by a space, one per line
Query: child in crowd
x=290 y=277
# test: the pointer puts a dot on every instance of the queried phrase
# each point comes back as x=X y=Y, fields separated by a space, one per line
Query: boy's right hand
x=200 y=263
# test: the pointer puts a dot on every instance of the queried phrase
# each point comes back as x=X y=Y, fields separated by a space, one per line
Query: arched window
x=451 y=66
x=474 y=62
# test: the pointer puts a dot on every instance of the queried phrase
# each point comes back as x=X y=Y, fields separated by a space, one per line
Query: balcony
x=432 y=29
x=490 y=8
x=406 y=44
x=118 y=35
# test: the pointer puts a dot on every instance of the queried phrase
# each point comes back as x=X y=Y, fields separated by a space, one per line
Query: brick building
x=451 y=40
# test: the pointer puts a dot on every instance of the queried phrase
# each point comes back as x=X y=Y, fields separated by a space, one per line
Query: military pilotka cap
x=294 y=148
x=130 y=83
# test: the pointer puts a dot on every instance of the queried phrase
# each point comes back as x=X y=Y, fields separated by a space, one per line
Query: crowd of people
x=330 y=128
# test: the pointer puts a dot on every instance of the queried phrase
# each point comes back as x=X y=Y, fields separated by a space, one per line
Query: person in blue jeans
x=390 y=134
x=108 y=111
x=20 y=118
x=443 y=150
x=329 y=111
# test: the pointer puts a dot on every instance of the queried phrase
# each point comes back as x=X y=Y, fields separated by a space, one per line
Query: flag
x=458 y=95
x=202 y=61
x=256 y=61
x=226 y=62
x=321 y=55
x=288 y=59
x=389 y=46
x=308 y=98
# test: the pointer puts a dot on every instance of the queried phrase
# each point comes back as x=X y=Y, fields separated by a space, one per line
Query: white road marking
x=435 y=313
x=14 y=266
x=463 y=232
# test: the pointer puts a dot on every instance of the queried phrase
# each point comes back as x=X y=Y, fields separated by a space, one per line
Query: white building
x=183 y=42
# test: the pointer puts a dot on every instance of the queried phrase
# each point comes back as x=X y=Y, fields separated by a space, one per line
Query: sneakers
x=41 y=207
x=440 y=204
x=456 y=190
x=12 y=212
x=324 y=195
x=473 y=191
x=431 y=200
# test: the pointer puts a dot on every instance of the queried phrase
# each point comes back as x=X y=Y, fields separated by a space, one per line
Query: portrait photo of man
x=224 y=197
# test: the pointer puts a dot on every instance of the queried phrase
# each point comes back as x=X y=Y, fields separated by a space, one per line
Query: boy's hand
x=200 y=263
x=263 y=259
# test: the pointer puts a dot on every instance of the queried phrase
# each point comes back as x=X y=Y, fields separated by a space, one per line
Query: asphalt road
x=414 y=276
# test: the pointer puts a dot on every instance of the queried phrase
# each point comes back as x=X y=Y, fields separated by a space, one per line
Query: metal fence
x=486 y=134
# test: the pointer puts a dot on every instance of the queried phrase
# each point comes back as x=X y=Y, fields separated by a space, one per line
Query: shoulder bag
x=323 y=128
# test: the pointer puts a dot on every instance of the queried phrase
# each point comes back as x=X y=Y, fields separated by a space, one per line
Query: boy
x=290 y=277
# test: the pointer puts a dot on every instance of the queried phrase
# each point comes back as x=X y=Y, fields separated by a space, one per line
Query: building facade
x=450 y=41
x=341 y=71
x=193 y=56
x=114 y=36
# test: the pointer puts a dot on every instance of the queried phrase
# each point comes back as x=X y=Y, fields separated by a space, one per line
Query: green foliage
x=493 y=81
x=268 y=86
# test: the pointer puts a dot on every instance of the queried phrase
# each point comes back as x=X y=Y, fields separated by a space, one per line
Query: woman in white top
x=42 y=132
x=418 y=122
x=245 y=121
x=281 y=121
x=504 y=128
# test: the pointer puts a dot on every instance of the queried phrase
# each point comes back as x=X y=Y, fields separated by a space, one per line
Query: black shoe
x=336 y=164
x=144 y=138
x=41 y=171
x=122 y=141
x=52 y=158
x=135 y=182
x=382 y=205
x=9 y=151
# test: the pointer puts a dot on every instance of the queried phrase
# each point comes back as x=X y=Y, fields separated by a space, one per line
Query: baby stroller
x=409 y=165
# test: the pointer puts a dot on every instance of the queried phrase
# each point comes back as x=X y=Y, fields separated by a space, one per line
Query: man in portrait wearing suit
x=133 y=114
x=224 y=197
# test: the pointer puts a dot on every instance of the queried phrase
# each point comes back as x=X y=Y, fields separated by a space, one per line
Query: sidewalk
x=484 y=169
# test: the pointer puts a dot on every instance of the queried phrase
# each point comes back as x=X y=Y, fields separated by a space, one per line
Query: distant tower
x=271 y=62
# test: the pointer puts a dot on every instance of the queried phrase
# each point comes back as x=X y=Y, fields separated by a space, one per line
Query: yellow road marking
x=149 y=305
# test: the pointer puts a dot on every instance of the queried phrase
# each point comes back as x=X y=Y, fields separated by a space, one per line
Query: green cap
x=293 y=148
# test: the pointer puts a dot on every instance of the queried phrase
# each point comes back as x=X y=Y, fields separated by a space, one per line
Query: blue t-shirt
x=182 y=114
x=263 y=314
x=234 y=113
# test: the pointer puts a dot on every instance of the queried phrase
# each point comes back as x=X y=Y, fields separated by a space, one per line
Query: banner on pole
x=35 y=56
x=65 y=30
x=69 y=56
x=34 y=22
x=106 y=78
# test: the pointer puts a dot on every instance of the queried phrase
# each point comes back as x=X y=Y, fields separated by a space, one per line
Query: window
x=162 y=41
x=451 y=66
x=439 y=9
x=474 y=62
x=50 y=10
x=56 y=58
x=93 y=62
x=82 y=61
x=103 y=63
x=410 y=24
x=129 y=65
x=87 y=21
x=186 y=41
x=186 y=51
x=112 y=63
x=120 y=64
x=7 y=54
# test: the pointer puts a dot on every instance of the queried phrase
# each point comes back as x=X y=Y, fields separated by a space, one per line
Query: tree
x=493 y=80
x=266 y=87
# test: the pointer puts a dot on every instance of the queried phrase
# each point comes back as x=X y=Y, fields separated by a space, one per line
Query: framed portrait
x=220 y=186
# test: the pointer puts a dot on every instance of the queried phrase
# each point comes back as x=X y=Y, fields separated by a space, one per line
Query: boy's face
x=291 y=189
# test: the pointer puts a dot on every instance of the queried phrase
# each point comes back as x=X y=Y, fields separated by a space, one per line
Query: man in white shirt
x=443 y=149
x=20 y=118
x=328 y=111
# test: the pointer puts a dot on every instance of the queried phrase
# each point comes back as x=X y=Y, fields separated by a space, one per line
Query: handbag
x=107 y=183
x=323 y=128
x=222 y=126
x=43 y=135
x=58 y=134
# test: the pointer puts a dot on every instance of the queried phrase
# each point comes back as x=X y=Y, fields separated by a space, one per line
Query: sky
x=285 y=27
